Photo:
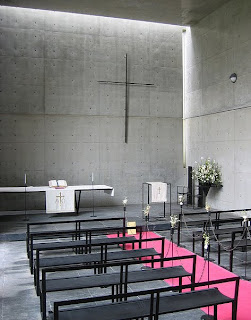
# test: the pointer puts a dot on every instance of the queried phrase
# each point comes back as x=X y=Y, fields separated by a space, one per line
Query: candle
x=25 y=178
x=92 y=177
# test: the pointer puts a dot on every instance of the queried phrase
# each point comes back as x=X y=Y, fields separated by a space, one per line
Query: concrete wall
x=218 y=112
x=58 y=122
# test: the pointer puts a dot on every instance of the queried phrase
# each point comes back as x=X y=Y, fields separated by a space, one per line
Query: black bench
x=216 y=222
x=217 y=233
x=87 y=243
x=118 y=280
x=231 y=245
x=100 y=257
x=151 y=304
x=75 y=225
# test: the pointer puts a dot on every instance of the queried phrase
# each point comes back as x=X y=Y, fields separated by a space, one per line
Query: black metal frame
x=148 y=197
x=104 y=256
x=155 y=297
x=76 y=222
x=216 y=222
x=81 y=244
x=121 y=287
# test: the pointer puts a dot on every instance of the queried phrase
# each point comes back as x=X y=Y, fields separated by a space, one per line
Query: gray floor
x=18 y=298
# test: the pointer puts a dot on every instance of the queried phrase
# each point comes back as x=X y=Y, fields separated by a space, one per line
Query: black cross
x=127 y=83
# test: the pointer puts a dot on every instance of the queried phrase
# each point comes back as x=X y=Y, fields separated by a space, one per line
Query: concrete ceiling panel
x=167 y=11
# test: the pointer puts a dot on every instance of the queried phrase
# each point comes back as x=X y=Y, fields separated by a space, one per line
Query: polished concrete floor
x=17 y=294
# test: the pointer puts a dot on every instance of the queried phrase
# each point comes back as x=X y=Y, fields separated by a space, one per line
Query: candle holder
x=246 y=233
x=206 y=237
x=124 y=204
x=92 y=178
x=25 y=204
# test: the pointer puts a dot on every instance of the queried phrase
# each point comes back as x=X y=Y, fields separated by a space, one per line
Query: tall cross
x=60 y=198
x=127 y=84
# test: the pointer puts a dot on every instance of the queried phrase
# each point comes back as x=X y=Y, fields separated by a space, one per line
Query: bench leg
x=231 y=256
x=215 y=312
x=234 y=310
x=219 y=253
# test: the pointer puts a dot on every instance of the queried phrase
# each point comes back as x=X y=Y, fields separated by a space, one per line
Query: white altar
x=70 y=191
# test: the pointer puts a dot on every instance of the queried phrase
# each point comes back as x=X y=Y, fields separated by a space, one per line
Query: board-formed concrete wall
x=58 y=122
x=218 y=112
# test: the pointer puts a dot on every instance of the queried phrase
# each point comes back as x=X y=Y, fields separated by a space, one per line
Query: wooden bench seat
x=152 y=303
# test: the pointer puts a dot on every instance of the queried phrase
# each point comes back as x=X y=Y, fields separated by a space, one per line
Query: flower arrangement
x=146 y=212
x=207 y=172
x=125 y=202
x=174 y=220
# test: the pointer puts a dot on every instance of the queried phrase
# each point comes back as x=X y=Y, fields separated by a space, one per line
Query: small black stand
x=208 y=316
x=25 y=209
x=124 y=212
x=246 y=232
x=93 y=215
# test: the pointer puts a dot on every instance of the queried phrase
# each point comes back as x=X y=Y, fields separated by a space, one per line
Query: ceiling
x=179 y=12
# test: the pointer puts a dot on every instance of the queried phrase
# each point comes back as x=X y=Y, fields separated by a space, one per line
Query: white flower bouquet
x=207 y=172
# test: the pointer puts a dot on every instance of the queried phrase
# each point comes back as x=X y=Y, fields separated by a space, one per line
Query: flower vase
x=204 y=189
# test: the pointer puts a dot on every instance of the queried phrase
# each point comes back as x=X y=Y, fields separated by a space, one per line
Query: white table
x=79 y=189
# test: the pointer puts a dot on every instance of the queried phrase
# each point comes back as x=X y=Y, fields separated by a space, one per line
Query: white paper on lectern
x=60 y=200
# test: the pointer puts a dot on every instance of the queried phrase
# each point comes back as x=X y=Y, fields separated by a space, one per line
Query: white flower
x=207 y=172
x=146 y=210
x=125 y=201
x=206 y=240
x=207 y=207
x=173 y=220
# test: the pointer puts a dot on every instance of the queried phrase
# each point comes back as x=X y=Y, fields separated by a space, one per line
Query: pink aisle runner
x=215 y=272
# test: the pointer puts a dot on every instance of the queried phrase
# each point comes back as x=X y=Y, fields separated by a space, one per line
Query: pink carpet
x=215 y=271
